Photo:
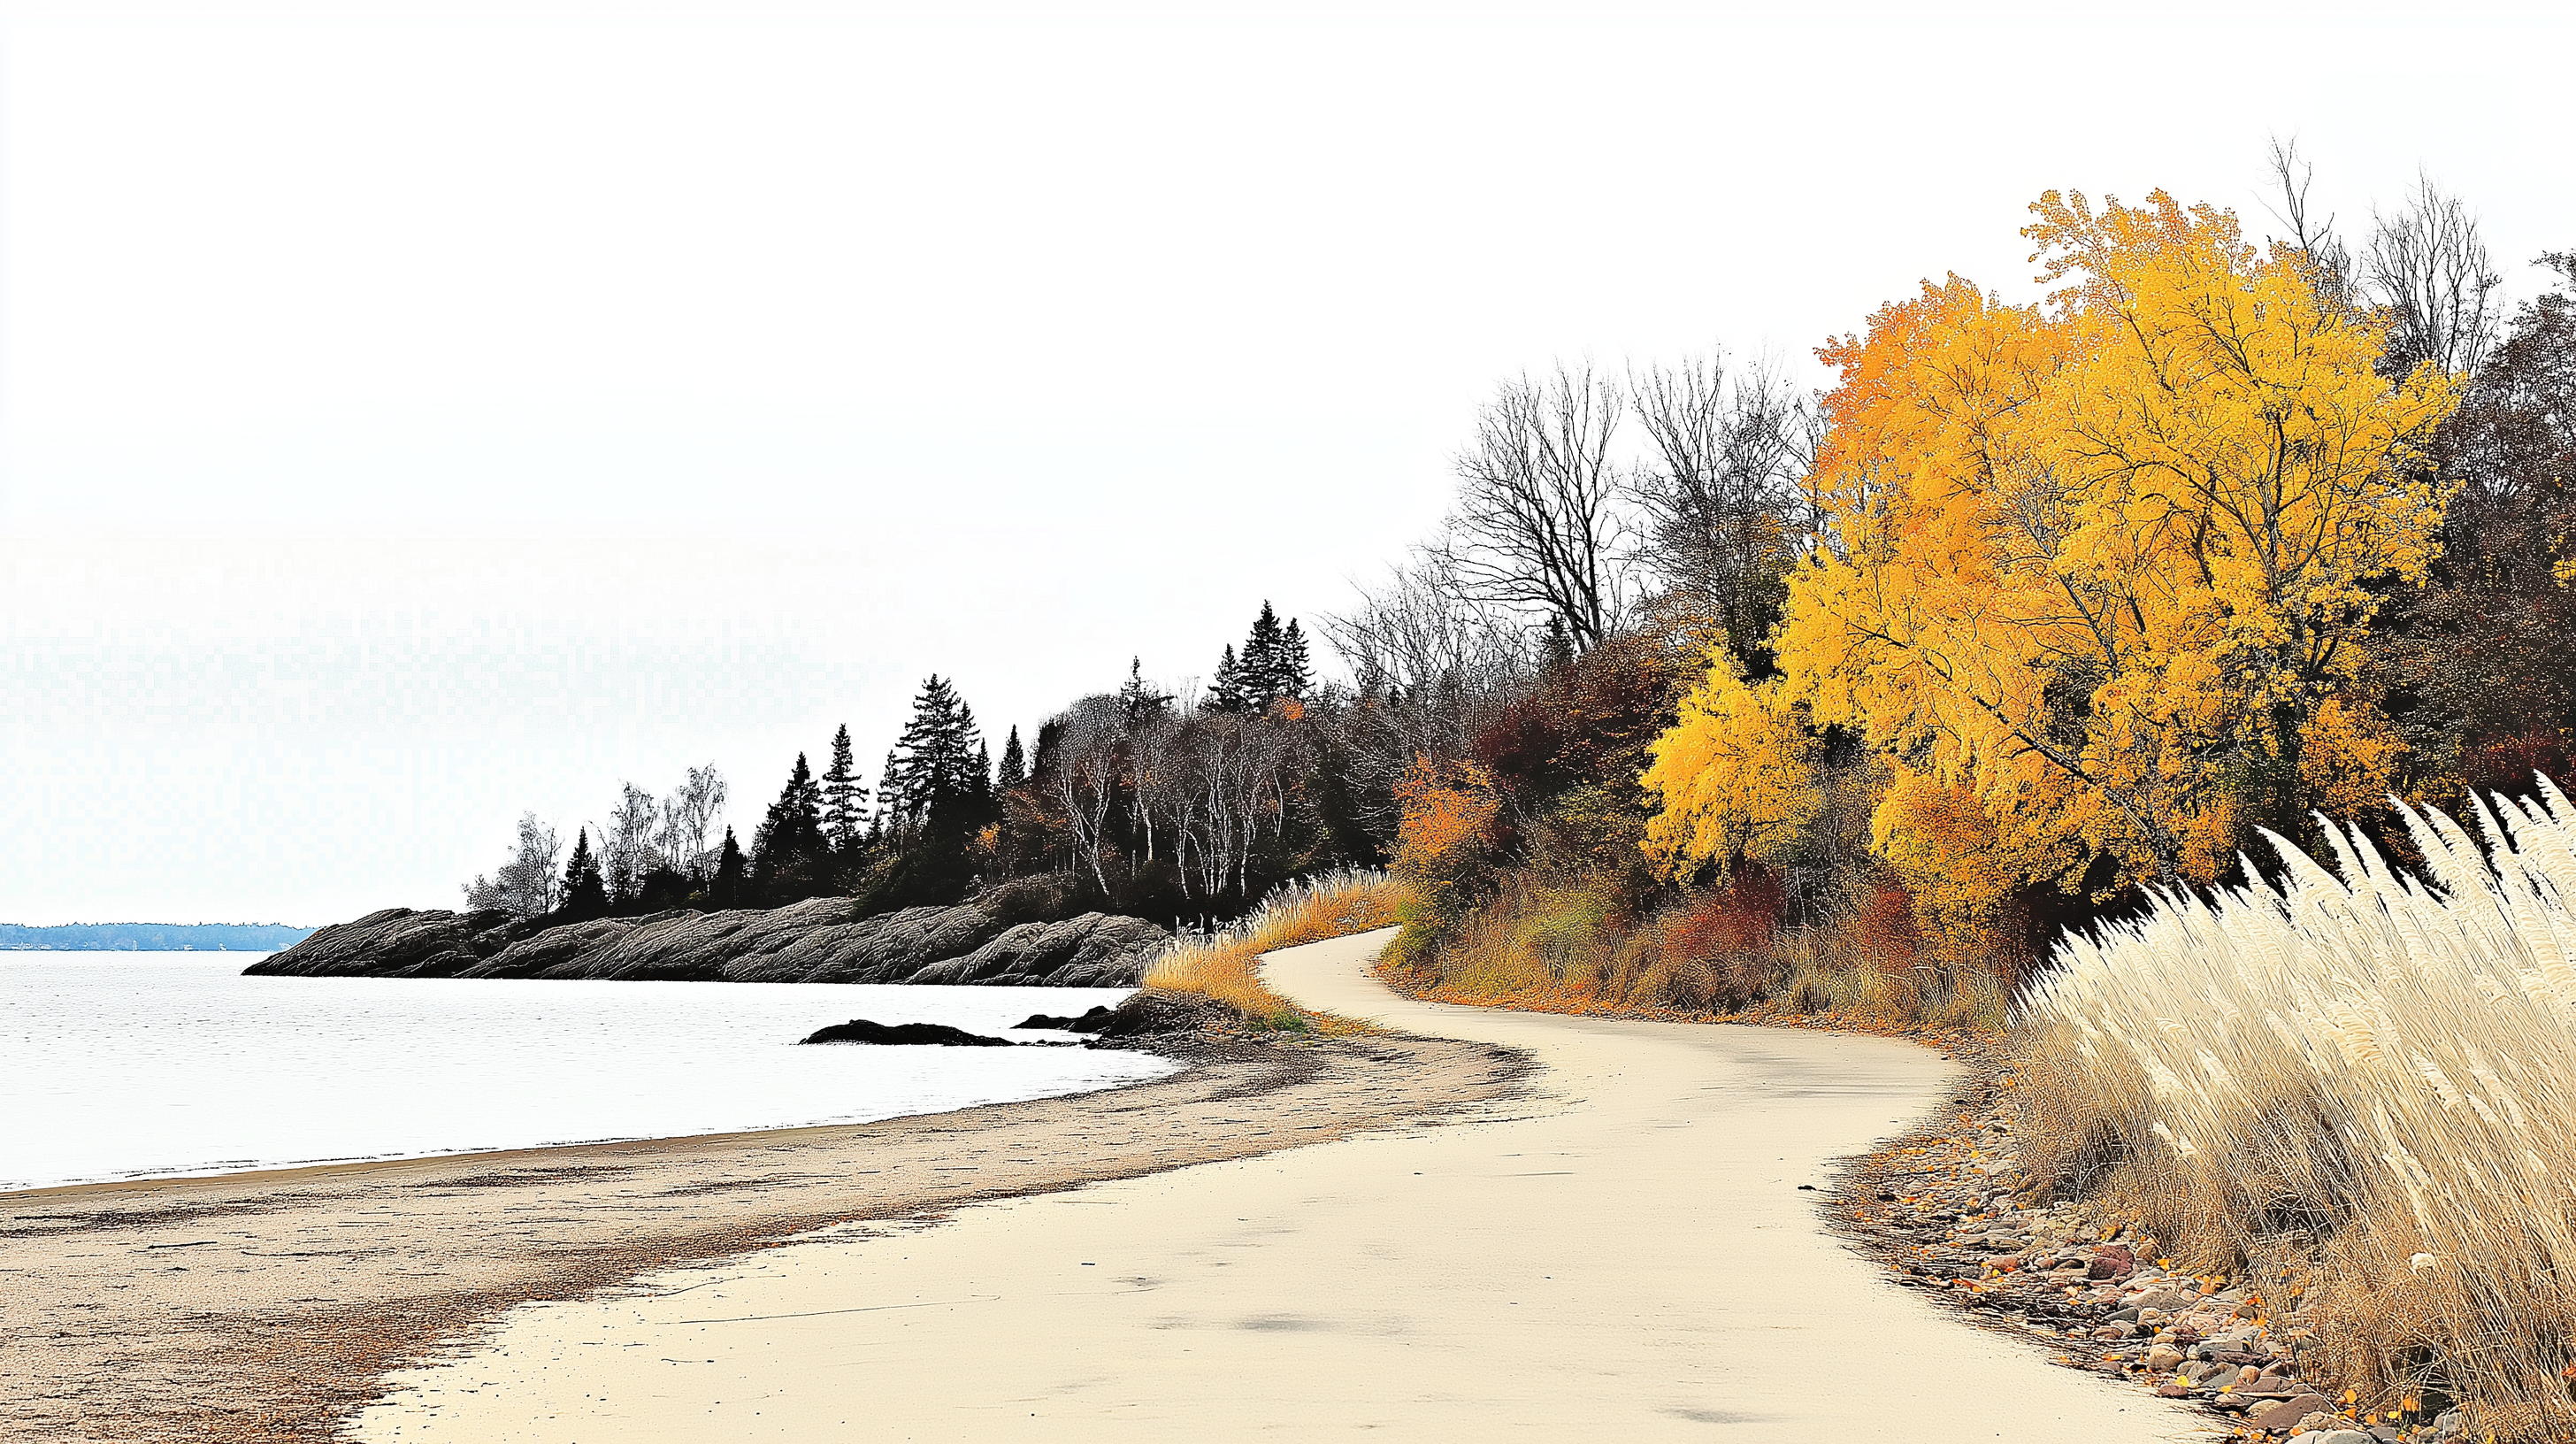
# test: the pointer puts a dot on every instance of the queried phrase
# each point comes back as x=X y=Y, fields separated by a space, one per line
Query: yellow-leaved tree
x=1733 y=772
x=2091 y=563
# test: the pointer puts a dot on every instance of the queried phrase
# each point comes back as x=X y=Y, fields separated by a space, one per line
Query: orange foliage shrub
x=1443 y=848
x=2348 y=758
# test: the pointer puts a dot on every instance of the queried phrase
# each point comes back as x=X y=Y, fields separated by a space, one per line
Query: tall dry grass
x=2366 y=1080
x=1226 y=967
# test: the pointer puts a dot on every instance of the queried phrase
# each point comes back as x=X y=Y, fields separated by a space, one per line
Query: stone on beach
x=2291 y=1413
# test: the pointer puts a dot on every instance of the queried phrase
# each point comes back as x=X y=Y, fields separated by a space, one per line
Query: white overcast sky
x=411 y=415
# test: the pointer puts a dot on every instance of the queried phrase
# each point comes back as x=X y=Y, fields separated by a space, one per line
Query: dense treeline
x=1713 y=688
x=1133 y=800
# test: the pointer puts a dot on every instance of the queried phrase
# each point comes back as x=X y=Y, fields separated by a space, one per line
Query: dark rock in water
x=1091 y=1022
x=860 y=1030
x=821 y=940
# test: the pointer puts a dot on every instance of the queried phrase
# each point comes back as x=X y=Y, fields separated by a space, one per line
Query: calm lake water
x=124 y=1065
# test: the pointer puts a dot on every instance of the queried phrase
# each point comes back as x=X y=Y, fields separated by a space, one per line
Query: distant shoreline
x=148 y=952
x=151 y=937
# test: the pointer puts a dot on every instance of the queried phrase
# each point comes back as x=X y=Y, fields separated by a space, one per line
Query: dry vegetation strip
x=1716 y=955
x=2364 y=1082
x=1227 y=967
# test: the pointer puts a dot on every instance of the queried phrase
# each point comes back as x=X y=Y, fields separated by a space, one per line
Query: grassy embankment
x=1565 y=946
x=2356 y=1093
x=1225 y=967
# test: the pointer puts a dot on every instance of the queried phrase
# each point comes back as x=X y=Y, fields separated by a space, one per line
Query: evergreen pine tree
x=585 y=892
x=727 y=888
x=1296 y=668
x=1559 y=644
x=1015 y=763
x=941 y=780
x=936 y=756
x=1050 y=742
x=1137 y=697
x=790 y=858
x=1226 y=694
x=1260 y=677
x=845 y=798
x=888 y=817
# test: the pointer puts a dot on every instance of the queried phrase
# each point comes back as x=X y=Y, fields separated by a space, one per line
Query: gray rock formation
x=821 y=940
x=399 y=943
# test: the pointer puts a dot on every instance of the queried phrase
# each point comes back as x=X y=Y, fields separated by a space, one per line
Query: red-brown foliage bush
x=1738 y=918
x=1444 y=851
x=1884 y=931
x=2507 y=764
x=1713 y=950
x=1591 y=720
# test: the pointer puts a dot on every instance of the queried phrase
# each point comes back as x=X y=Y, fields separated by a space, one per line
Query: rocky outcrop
x=821 y=940
x=1091 y=1022
x=937 y=1035
x=399 y=943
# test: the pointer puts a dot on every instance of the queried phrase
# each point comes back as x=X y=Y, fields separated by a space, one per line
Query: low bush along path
x=1631 y=1248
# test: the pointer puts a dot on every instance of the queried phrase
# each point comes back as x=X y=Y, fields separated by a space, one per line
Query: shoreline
x=271 y=1303
x=1630 y=1247
x=282 y=1173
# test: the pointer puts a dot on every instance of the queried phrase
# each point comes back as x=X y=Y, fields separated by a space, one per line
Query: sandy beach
x=1628 y=1250
x=267 y=1305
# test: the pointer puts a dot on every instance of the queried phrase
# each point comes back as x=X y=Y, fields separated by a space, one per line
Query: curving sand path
x=1621 y=1253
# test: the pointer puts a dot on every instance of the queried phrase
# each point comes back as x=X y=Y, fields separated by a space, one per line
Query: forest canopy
x=2035 y=606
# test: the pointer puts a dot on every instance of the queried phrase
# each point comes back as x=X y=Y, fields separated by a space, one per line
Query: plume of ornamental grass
x=2355 y=1070
x=1226 y=967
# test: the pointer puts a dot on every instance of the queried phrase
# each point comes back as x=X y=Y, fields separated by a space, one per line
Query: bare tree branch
x=2428 y=265
x=1543 y=524
x=1724 y=490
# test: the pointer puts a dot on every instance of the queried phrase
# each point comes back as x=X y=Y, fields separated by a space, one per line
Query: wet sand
x=268 y=1305
x=1626 y=1251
